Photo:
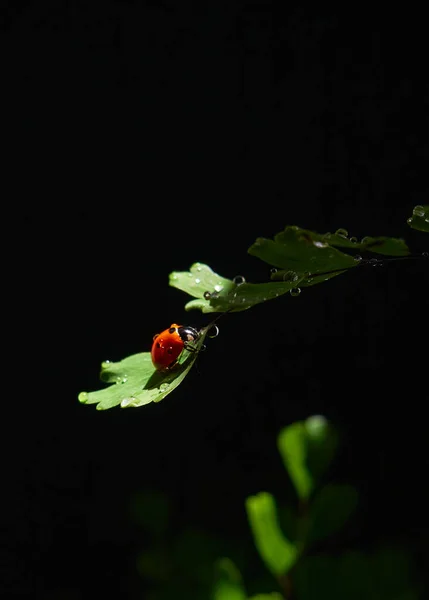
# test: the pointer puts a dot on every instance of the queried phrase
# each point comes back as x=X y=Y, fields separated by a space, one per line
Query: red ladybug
x=168 y=345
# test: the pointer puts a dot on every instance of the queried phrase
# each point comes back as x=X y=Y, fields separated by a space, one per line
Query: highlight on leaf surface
x=420 y=218
x=214 y=293
x=135 y=381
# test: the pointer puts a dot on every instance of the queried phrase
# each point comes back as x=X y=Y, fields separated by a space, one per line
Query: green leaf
x=136 y=382
x=228 y=584
x=314 y=257
x=420 y=218
x=277 y=552
x=379 y=245
x=330 y=509
x=307 y=448
x=301 y=251
x=214 y=293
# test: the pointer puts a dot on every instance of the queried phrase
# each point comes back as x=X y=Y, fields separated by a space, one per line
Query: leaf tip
x=83 y=397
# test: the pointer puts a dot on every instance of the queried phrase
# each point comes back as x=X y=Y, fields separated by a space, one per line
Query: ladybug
x=168 y=345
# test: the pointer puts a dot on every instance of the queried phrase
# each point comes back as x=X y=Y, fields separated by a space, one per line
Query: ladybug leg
x=188 y=346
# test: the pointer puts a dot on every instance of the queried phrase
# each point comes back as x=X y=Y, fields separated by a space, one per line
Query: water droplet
x=239 y=280
x=164 y=387
x=131 y=401
x=295 y=277
x=375 y=262
x=218 y=287
x=353 y=240
x=207 y=295
x=418 y=211
x=409 y=221
x=122 y=379
x=357 y=258
x=197 y=280
x=174 y=277
x=425 y=254
x=320 y=244
x=309 y=280
x=273 y=270
x=365 y=240
x=199 y=268
x=213 y=331
x=105 y=364
x=342 y=232
x=83 y=397
x=243 y=300
x=295 y=291
x=327 y=236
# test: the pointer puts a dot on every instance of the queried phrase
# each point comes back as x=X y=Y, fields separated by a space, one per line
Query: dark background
x=141 y=137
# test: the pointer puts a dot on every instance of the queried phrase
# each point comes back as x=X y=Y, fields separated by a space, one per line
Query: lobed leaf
x=214 y=293
x=136 y=382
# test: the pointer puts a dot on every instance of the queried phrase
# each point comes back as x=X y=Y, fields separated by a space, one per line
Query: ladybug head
x=188 y=334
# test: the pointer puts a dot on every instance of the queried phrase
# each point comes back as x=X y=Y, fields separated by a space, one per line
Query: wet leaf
x=136 y=382
x=214 y=293
x=301 y=251
x=314 y=256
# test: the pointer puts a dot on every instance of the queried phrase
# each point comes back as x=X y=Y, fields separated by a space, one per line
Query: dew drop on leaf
x=128 y=401
x=83 y=397
x=418 y=211
x=295 y=291
x=239 y=280
x=342 y=232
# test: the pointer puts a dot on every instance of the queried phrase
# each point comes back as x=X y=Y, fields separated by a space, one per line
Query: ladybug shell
x=168 y=345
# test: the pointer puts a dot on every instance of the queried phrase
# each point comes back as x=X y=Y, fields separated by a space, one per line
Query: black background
x=140 y=138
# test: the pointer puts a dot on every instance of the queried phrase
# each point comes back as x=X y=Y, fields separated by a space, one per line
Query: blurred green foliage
x=288 y=538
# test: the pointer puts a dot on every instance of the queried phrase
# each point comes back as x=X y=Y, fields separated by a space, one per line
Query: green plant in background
x=298 y=258
x=307 y=449
x=288 y=538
